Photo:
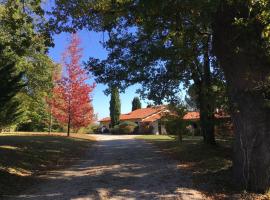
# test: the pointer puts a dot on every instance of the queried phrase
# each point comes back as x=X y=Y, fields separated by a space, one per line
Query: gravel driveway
x=117 y=167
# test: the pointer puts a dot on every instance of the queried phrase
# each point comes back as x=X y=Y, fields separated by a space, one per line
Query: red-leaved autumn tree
x=71 y=102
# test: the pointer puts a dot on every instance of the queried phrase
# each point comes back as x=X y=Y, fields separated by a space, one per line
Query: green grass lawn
x=24 y=156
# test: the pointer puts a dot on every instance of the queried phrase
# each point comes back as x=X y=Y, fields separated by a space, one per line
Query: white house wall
x=155 y=127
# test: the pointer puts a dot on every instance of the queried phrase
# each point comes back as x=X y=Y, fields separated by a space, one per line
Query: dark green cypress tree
x=136 y=104
x=10 y=84
x=115 y=106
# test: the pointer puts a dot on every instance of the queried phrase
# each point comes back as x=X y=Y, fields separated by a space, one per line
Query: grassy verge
x=211 y=166
x=23 y=156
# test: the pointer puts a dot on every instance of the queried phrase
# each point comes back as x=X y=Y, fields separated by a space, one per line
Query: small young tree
x=115 y=106
x=174 y=123
x=71 y=103
x=136 y=104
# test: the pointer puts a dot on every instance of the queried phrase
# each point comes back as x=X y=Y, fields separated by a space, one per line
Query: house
x=195 y=115
x=223 y=125
x=143 y=117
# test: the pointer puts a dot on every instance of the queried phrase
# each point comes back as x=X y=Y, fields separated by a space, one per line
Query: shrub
x=127 y=127
x=96 y=130
x=124 y=128
x=115 y=130
x=89 y=129
x=174 y=126
x=128 y=123
x=146 y=129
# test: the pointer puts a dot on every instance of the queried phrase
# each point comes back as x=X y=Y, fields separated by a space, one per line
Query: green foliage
x=10 y=84
x=174 y=123
x=174 y=42
x=91 y=129
x=192 y=98
x=175 y=126
x=124 y=128
x=9 y=114
x=145 y=129
x=136 y=103
x=115 y=130
x=219 y=97
x=153 y=47
x=115 y=106
x=24 y=41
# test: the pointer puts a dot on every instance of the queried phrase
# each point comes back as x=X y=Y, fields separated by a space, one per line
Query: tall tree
x=242 y=45
x=71 y=103
x=238 y=35
x=10 y=84
x=136 y=103
x=24 y=42
x=115 y=106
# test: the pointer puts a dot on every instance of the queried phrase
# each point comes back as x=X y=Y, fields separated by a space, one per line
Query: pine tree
x=24 y=40
x=115 y=106
x=71 y=104
x=10 y=84
x=136 y=104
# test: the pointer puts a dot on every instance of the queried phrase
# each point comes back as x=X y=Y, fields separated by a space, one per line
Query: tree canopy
x=136 y=103
x=115 y=106
x=71 y=102
x=158 y=43
x=24 y=41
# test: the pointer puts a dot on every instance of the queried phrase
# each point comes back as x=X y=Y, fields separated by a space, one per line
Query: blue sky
x=90 y=42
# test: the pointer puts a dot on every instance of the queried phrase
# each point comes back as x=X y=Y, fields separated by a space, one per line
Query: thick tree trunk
x=207 y=100
x=206 y=113
x=246 y=67
x=206 y=121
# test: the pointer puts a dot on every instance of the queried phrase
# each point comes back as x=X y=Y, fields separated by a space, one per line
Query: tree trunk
x=206 y=113
x=206 y=99
x=69 y=117
x=246 y=67
x=206 y=117
x=68 y=131
x=206 y=121
x=50 y=121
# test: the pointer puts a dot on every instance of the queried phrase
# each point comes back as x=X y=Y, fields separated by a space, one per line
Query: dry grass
x=25 y=155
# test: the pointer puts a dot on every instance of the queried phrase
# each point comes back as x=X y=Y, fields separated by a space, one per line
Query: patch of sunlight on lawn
x=16 y=171
x=53 y=151
x=155 y=137
x=9 y=147
x=167 y=137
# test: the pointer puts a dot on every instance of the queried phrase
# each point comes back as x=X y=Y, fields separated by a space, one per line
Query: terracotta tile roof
x=192 y=116
x=139 y=114
x=154 y=117
x=196 y=115
x=220 y=115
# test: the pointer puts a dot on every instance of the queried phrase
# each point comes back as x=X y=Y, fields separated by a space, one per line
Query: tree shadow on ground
x=117 y=168
x=24 y=157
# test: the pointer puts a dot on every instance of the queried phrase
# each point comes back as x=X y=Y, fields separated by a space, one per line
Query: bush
x=127 y=127
x=175 y=126
x=124 y=128
x=146 y=129
x=89 y=129
x=115 y=130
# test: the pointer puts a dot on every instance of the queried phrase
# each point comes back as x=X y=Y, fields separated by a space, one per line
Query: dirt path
x=117 y=167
